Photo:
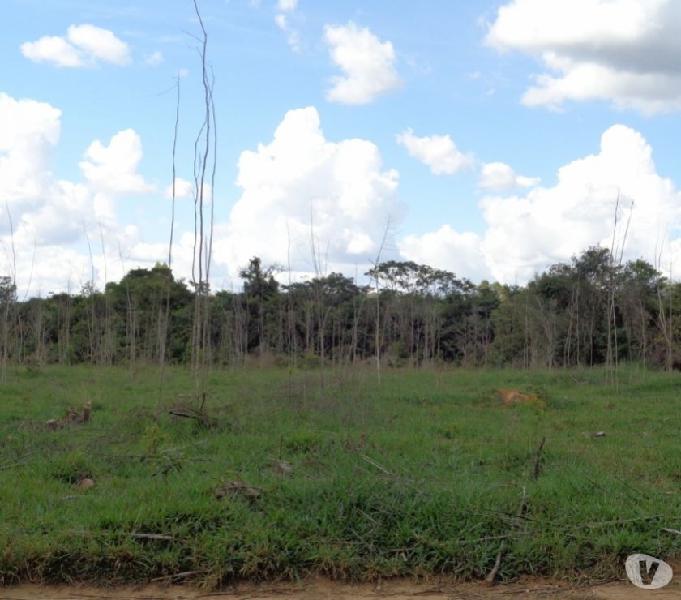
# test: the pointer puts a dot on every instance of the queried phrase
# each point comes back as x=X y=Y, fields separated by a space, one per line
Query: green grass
x=423 y=474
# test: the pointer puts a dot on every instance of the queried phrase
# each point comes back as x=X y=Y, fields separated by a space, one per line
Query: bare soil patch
x=325 y=590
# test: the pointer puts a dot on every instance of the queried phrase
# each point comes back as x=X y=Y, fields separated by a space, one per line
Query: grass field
x=423 y=474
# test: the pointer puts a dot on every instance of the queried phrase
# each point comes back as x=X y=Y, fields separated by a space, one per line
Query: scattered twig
x=281 y=467
x=549 y=589
x=617 y=522
x=538 y=460
x=492 y=575
x=182 y=575
x=13 y=465
x=238 y=488
x=373 y=463
x=152 y=536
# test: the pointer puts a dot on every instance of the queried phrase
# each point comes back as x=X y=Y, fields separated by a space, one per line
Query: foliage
x=587 y=312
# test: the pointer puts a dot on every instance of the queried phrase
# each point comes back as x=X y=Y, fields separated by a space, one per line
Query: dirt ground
x=324 y=590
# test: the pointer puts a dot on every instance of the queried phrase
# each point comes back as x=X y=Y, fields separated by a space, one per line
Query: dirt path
x=323 y=590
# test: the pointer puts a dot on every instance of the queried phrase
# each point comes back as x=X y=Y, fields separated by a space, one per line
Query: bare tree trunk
x=164 y=319
x=377 y=280
x=204 y=151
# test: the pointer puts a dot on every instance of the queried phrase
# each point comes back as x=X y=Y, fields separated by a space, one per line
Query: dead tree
x=377 y=281
x=204 y=154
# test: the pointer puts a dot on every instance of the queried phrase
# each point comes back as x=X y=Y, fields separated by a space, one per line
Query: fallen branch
x=188 y=413
x=492 y=575
x=72 y=417
x=185 y=414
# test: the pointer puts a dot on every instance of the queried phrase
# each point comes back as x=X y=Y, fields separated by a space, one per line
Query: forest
x=594 y=310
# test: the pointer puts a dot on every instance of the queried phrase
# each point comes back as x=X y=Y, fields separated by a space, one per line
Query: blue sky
x=455 y=73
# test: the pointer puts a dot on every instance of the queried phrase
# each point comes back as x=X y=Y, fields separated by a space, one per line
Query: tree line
x=589 y=311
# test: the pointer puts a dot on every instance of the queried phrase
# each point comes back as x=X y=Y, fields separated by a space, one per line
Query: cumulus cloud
x=29 y=130
x=499 y=177
x=550 y=224
x=42 y=210
x=297 y=187
x=54 y=49
x=301 y=186
x=83 y=45
x=113 y=168
x=99 y=44
x=438 y=152
x=51 y=217
x=621 y=51
x=447 y=248
x=183 y=189
x=367 y=63
x=526 y=234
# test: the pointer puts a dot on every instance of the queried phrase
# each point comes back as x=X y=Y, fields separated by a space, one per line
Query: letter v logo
x=647 y=572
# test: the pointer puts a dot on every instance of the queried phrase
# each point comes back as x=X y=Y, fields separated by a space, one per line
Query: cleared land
x=293 y=474
x=316 y=590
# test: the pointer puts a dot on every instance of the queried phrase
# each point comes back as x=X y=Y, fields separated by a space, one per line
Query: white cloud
x=447 y=248
x=154 y=59
x=286 y=9
x=300 y=183
x=287 y=5
x=622 y=51
x=368 y=64
x=113 y=168
x=438 y=152
x=99 y=44
x=52 y=49
x=183 y=189
x=29 y=130
x=53 y=219
x=83 y=45
x=499 y=177
x=292 y=36
x=526 y=234
x=186 y=190
x=50 y=217
x=548 y=225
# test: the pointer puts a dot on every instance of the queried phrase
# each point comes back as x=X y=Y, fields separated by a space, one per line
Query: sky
x=491 y=138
